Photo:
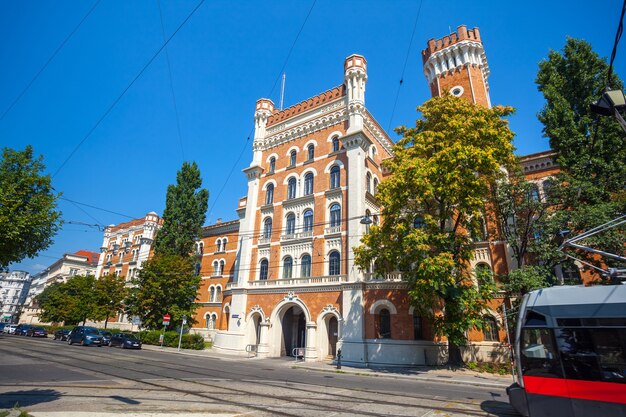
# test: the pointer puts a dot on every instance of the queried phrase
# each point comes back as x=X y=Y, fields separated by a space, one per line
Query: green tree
x=166 y=284
x=433 y=202
x=71 y=302
x=109 y=293
x=591 y=187
x=28 y=215
x=185 y=210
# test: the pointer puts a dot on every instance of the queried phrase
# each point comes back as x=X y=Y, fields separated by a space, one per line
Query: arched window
x=269 y=194
x=483 y=273
x=373 y=151
x=334 y=263
x=305 y=268
x=267 y=228
x=198 y=267
x=224 y=242
x=533 y=192
x=368 y=215
x=287 y=267
x=490 y=329
x=272 y=165
x=368 y=183
x=218 y=294
x=212 y=294
x=308 y=184
x=375 y=186
x=384 y=324
x=222 y=266
x=335 y=144
x=264 y=269
x=201 y=248
x=208 y=322
x=481 y=233
x=418 y=222
x=216 y=268
x=310 y=150
x=549 y=190
x=291 y=188
x=335 y=177
x=417 y=327
x=218 y=244
x=290 y=228
x=335 y=215
x=292 y=158
x=308 y=220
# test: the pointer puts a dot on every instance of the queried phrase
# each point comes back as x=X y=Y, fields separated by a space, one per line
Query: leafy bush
x=189 y=341
x=472 y=365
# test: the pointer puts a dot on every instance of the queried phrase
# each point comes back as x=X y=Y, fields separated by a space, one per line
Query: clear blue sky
x=226 y=57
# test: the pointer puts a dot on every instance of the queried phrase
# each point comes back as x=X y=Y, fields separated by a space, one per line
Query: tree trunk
x=106 y=321
x=454 y=355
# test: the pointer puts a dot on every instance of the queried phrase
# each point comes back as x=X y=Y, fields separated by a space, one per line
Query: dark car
x=125 y=341
x=21 y=329
x=106 y=337
x=61 y=334
x=85 y=335
x=37 y=332
x=2 y=327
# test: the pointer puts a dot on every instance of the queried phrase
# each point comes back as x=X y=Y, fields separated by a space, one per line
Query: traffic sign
x=166 y=319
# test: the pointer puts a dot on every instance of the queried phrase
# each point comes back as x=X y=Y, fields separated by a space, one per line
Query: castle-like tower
x=457 y=64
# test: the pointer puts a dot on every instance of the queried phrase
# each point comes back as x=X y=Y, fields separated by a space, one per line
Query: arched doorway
x=333 y=335
x=293 y=323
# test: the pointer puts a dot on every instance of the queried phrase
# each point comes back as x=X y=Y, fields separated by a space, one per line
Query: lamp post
x=610 y=104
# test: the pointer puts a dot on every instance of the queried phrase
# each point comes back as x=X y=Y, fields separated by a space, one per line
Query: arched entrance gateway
x=292 y=331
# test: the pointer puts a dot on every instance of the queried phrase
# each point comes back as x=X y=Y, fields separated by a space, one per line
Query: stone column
x=264 y=347
x=310 y=354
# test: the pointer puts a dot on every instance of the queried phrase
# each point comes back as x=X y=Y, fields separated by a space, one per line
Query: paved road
x=46 y=376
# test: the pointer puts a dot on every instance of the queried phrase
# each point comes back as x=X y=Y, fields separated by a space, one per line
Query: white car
x=10 y=328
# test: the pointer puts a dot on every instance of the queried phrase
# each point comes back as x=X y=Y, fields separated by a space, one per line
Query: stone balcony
x=292 y=282
x=390 y=277
x=332 y=230
x=296 y=236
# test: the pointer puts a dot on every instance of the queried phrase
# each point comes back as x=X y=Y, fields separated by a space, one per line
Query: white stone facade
x=14 y=288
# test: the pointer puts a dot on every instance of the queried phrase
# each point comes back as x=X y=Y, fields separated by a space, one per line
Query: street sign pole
x=166 y=321
x=180 y=337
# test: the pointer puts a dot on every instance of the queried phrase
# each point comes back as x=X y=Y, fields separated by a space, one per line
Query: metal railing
x=298 y=353
x=252 y=350
x=327 y=279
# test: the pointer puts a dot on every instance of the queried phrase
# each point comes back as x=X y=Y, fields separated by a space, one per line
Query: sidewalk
x=422 y=373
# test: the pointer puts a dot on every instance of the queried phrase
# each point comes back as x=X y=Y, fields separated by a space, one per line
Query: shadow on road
x=26 y=398
x=125 y=400
x=498 y=408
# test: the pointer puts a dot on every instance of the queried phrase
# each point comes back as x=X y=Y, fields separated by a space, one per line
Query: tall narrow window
x=224 y=242
x=264 y=269
x=308 y=220
x=375 y=188
x=218 y=293
x=267 y=228
x=272 y=165
x=334 y=263
x=269 y=194
x=384 y=324
x=310 y=152
x=308 y=184
x=483 y=273
x=290 y=228
x=418 y=332
x=533 y=192
x=334 y=177
x=368 y=183
x=368 y=215
x=212 y=295
x=216 y=268
x=291 y=188
x=222 y=266
x=335 y=215
x=335 y=144
x=288 y=267
x=490 y=329
x=292 y=158
x=305 y=268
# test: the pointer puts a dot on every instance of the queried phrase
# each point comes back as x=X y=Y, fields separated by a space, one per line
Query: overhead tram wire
x=89 y=215
x=123 y=93
x=406 y=60
x=270 y=93
x=54 y=54
x=169 y=70
x=97 y=208
x=618 y=36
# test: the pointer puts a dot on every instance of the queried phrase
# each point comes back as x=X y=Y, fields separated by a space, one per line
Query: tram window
x=538 y=354
x=535 y=319
x=593 y=354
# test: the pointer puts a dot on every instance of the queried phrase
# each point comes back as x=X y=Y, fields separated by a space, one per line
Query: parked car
x=125 y=341
x=2 y=327
x=61 y=334
x=37 y=331
x=85 y=335
x=10 y=328
x=21 y=329
x=106 y=337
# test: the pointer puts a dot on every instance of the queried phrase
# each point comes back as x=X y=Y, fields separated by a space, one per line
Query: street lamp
x=610 y=104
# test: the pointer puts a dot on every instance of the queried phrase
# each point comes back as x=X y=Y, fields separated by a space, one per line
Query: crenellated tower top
x=457 y=63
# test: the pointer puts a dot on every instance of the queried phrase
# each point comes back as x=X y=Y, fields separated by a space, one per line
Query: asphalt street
x=50 y=378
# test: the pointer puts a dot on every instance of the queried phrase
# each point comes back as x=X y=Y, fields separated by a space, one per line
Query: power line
x=89 y=215
x=406 y=60
x=119 y=97
x=618 y=36
x=97 y=208
x=230 y=173
x=54 y=54
x=169 y=69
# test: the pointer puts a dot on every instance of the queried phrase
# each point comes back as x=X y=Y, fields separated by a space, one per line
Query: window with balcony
x=335 y=177
x=305 y=266
x=310 y=152
x=307 y=220
x=334 y=263
x=292 y=158
x=291 y=188
x=290 y=227
x=272 y=165
x=269 y=194
x=267 y=228
x=287 y=267
x=335 y=215
x=308 y=184
x=263 y=269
